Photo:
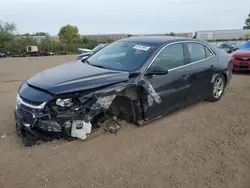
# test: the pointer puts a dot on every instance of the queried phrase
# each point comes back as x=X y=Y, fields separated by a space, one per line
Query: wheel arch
x=128 y=104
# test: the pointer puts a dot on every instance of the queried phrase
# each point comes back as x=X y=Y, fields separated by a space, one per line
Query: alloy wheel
x=218 y=88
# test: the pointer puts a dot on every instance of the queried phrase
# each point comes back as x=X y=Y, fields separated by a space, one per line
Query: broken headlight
x=64 y=102
x=18 y=101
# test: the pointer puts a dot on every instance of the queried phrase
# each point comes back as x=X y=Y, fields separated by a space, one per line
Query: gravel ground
x=203 y=145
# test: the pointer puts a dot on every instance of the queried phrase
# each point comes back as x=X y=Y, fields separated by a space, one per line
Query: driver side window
x=170 y=57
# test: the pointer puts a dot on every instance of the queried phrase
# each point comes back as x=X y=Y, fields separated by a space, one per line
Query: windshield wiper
x=100 y=66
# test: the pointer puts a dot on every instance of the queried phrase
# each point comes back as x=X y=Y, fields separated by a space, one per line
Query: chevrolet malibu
x=137 y=79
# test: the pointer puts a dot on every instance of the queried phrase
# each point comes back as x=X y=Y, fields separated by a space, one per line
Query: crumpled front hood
x=76 y=76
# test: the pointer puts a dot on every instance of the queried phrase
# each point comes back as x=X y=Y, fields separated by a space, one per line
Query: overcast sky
x=124 y=16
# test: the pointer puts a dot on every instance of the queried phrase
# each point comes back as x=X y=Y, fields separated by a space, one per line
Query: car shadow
x=247 y=73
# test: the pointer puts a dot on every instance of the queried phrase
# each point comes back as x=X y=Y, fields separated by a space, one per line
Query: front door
x=170 y=88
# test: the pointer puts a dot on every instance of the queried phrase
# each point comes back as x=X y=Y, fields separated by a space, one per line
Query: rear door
x=171 y=88
x=200 y=69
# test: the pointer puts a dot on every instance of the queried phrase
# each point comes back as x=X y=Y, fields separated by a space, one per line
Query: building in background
x=213 y=35
x=55 y=38
x=37 y=38
x=189 y=35
x=113 y=37
x=105 y=37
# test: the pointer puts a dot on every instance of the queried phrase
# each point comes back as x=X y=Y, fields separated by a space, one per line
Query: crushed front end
x=43 y=116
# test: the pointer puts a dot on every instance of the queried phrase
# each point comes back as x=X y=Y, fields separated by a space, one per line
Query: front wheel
x=217 y=89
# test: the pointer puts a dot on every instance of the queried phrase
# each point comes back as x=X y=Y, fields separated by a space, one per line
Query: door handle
x=212 y=67
x=184 y=77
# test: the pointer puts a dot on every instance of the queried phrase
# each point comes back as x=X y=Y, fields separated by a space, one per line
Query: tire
x=217 y=89
x=28 y=142
x=27 y=139
x=18 y=131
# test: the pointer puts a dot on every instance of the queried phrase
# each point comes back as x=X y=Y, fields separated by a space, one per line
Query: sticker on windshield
x=141 y=47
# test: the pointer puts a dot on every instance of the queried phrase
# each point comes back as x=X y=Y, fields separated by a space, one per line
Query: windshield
x=245 y=46
x=122 y=55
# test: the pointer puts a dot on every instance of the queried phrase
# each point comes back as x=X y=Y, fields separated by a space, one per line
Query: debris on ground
x=80 y=129
x=3 y=136
x=111 y=125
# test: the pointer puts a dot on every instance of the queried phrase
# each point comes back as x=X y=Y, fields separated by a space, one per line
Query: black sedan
x=136 y=79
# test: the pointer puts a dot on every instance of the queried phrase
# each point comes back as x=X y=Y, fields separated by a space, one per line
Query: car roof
x=159 y=40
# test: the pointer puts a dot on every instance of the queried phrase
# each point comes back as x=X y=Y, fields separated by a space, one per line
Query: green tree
x=85 y=40
x=18 y=45
x=6 y=34
x=48 y=45
x=128 y=35
x=40 y=34
x=247 y=23
x=170 y=34
x=35 y=34
x=26 y=34
x=69 y=34
x=45 y=44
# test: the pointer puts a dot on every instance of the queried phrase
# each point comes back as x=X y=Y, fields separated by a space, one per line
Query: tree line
x=13 y=44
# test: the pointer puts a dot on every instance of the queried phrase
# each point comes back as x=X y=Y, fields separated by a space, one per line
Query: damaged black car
x=137 y=79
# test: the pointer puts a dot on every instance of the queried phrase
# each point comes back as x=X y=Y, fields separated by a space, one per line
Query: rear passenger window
x=208 y=52
x=197 y=52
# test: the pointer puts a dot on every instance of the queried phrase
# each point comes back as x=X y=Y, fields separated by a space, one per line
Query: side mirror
x=157 y=71
x=84 y=58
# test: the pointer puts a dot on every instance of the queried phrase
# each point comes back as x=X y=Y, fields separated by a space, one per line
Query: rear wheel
x=217 y=89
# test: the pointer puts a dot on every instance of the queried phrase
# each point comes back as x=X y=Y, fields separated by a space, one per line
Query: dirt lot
x=204 y=145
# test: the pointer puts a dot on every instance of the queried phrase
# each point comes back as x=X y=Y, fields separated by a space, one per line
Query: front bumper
x=31 y=127
x=37 y=120
x=241 y=65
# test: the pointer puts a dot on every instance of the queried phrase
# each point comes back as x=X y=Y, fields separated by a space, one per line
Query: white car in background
x=83 y=50
x=85 y=55
x=2 y=55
